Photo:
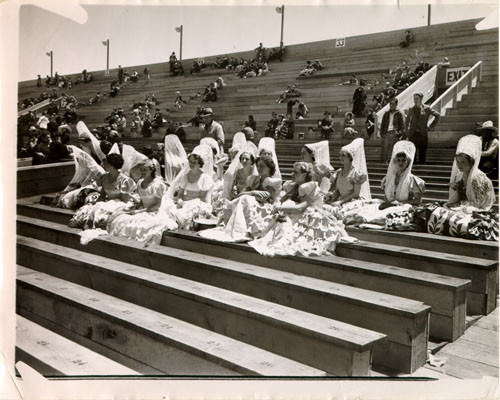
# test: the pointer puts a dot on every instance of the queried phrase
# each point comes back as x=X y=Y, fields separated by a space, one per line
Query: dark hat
x=206 y=112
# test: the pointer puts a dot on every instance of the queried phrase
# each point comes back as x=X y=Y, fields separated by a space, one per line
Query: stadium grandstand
x=412 y=293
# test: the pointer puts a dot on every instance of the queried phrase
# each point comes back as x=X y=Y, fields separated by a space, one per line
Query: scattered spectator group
x=311 y=68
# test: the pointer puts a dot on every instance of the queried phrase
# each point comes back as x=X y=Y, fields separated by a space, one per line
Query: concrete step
x=141 y=336
x=226 y=312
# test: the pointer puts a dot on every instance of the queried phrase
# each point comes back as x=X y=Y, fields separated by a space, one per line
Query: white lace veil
x=84 y=133
x=267 y=143
x=357 y=151
x=321 y=152
x=403 y=188
x=211 y=142
x=239 y=142
x=131 y=159
x=471 y=145
x=175 y=157
x=86 y=168
x=206 y=154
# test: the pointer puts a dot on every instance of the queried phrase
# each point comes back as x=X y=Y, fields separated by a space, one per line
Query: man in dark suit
x=417 y=125
x=392 y=128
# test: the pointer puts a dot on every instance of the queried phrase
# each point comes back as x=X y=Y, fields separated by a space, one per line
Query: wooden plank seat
x=445 y=295
x=483 y=273
x=149 y=341
x=45 y=178
x=404 y=349
x=426 y=241
x=323 y=343
x=53 y=355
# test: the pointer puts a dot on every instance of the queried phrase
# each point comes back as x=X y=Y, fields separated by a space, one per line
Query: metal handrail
x=426 y=84
x=455 y=92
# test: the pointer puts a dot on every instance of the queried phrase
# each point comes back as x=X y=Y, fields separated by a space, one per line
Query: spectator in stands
x=389 y=93
x=172 y=60
x=391 y=130
x=39 y=81
x=409 y=39
x=271 y=125
x=291 y=91
x=260 y=52
x=489 y=154
x=219 y=82
x=178 y=69
x=443 y=64
x=302 y=111
x=176 y=128
x=359 y=99
x=147 y=128
x=197 y=119
x=134 y=77
x=286 y=128
x=157 y=119
x=43 y=121
x=349 y=131
x=146 y=74
x=420 y=67
x=195 y=68
x=210 y=93
x=58 y=149
x=289 y=106
x=120 y=74
x=370 y=123
x=42 y=150
x=416 y=125
x=251 y=123
x=212 y=128
x=178 y=100
x=326 y=125
x=308 y=70
x=353 y=80
x=377 y=102
x=52 y=108
x=317 y=65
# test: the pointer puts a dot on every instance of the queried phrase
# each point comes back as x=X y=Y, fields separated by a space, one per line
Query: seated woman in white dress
x=267 y=148
x=144 y=224
x=402 y=191
x=236 y=176
x=301 y=224
x=189 y=196
x=175 y=158
x=83 y=183
x=351 y=180
x=89 y=143
x=318 y=154
x=471 y=197
x=118 y=193
x=250 y=212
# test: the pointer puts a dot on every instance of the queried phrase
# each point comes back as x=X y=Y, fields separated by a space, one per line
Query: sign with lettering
x=454 y=74
x=340 y=42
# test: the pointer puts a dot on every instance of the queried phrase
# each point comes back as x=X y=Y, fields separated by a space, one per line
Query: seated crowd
x=241 y=195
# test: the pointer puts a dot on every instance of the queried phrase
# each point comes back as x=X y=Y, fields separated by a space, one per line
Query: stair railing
x=461 y=87
x=39 y=107
x=426 y=85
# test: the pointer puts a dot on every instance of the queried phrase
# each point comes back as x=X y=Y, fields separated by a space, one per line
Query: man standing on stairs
x=416 y=125
x=212 y=128
x=392 y=128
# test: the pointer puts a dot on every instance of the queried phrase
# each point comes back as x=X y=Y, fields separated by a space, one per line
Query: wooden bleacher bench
x=53 y=355
x=316 y=341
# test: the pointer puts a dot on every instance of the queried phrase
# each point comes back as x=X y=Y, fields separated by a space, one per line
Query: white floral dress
x=146 y=226
x=315 y=232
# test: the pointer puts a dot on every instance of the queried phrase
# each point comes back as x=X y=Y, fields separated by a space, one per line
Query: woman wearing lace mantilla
x=318 y=154
x=145 y=224
x=175 y=158
x=193 y=188
x=250 y=212
x=467 y=213
x=301 y=224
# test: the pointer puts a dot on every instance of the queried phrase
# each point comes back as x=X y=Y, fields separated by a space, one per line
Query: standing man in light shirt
x=391 y=129
x=212 y=128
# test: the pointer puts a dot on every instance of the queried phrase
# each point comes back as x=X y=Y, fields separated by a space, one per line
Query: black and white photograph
x=302 y=195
